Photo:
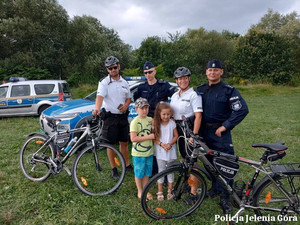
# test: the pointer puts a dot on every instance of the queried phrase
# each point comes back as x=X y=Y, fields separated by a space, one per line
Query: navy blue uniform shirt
x=223 y=104
x=160 y=91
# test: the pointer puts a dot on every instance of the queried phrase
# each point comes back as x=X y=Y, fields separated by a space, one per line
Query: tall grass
x=274 y=116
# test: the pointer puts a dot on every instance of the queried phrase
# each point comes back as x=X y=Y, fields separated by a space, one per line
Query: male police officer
x=223 y=109
x=153 y=90
x=113 y=91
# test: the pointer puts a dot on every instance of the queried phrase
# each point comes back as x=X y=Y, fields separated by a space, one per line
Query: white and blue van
x=22 y=97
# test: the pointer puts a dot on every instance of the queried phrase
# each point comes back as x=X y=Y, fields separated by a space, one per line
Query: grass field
x=274 y=116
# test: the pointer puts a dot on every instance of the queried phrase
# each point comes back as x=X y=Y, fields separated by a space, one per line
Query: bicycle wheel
x=178 y=204
x=34 y=157
x=91 y=170
x=277 y=207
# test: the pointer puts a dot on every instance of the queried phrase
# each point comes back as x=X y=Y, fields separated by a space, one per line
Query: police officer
x=186 y=102
x=223 y=109
x=153 y=90
x=114 y=95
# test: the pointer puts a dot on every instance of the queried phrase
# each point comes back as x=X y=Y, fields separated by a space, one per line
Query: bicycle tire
x=177 y=206
x=31 y=168
x=93 y=180
x=268 y=195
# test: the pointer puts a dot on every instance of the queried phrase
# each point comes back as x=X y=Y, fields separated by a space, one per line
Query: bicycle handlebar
x=201 y=146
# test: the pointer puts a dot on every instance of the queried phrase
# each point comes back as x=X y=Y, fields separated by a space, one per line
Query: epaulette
x=160 y=81
x=227 y=85
x=202 y=85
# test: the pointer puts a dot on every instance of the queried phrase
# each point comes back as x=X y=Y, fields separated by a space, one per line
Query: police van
x=22 y=97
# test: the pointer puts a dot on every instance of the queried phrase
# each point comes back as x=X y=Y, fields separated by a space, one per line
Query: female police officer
x=186 y=102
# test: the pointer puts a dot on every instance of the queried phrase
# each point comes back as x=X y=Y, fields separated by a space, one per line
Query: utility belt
x=104 y=114
x=212 y=126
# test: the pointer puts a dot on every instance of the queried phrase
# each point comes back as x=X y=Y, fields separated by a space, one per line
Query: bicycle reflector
x=83 y=181
x=268 y=197
x=161 y=210
x=117 y=161
x=39 y=142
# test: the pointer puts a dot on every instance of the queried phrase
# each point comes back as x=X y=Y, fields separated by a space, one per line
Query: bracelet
x=160 y=144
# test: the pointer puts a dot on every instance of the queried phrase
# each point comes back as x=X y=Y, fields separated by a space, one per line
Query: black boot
x=211 y=193
x=225 y=204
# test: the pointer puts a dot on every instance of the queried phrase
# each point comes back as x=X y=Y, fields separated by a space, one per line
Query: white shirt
x=114 y=93
x=167 y=134
x=186 y=104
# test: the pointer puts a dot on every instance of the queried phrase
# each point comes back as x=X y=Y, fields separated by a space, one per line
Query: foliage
x=30 y=73
x=132 y=72
x=260 y=55
x=39 y=34
x=33 y=34
x=288 y=27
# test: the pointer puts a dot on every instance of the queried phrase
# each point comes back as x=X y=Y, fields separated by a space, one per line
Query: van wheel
x=42 y=108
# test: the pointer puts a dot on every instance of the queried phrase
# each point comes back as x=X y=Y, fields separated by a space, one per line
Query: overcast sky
x=135 y=20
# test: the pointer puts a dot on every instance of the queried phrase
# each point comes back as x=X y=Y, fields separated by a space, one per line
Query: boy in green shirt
x=142 y=145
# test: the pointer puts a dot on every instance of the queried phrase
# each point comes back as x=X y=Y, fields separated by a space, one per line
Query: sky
x=135 y=20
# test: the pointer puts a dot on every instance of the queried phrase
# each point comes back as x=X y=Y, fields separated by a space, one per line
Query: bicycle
x=276 y=195
x=43 y=155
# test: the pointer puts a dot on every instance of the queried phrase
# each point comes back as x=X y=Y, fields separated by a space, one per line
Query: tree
x=288 y=27
x=207 y=45
x=90 y=43
x=150 y=50
x=263 y=56
x=33 y=34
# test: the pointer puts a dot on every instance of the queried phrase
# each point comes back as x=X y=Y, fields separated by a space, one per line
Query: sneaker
x=191 y=199
x=114 y=173
x=129 y=168
x=225 y=204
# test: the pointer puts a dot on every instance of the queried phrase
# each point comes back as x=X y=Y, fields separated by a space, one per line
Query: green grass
x=274 y=116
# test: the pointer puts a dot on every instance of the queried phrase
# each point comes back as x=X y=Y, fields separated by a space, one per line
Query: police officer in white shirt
x=114 y=95
x=186 y=102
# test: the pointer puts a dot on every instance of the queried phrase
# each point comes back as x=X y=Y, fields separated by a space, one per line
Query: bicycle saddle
x=276 y=147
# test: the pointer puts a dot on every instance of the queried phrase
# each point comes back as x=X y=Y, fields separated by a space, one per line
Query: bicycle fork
x=98 y=167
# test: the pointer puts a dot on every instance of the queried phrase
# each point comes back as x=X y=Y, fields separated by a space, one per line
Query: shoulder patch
x=236 y=106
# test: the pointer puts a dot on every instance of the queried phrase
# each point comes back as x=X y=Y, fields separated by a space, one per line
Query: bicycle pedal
x=67 y=170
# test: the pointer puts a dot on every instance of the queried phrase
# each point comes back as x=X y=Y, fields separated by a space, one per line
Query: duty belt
x=212 y=126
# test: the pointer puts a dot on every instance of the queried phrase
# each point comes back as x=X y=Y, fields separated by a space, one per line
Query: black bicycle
x=43 y=155
x=275 y=198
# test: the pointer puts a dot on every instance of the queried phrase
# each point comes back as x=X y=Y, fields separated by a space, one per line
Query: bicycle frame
x=82 y=140
x=245 y=202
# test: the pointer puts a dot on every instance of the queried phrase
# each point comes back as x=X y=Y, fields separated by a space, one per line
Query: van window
x=3 y=91
x=43 y=89
x=66 y=88
x=20 y=90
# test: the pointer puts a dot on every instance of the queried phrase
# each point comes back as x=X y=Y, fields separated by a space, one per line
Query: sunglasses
x=149 y=72
x=112 y=68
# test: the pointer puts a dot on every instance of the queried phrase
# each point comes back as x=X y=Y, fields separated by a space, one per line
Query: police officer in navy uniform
x=154 y=91
x=223 y=109
x=114 y=96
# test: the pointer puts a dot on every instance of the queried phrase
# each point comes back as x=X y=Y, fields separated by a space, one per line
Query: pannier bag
x=226 y=168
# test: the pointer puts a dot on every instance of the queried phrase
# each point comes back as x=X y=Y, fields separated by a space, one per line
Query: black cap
x=148 y=65
x=215 y=63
